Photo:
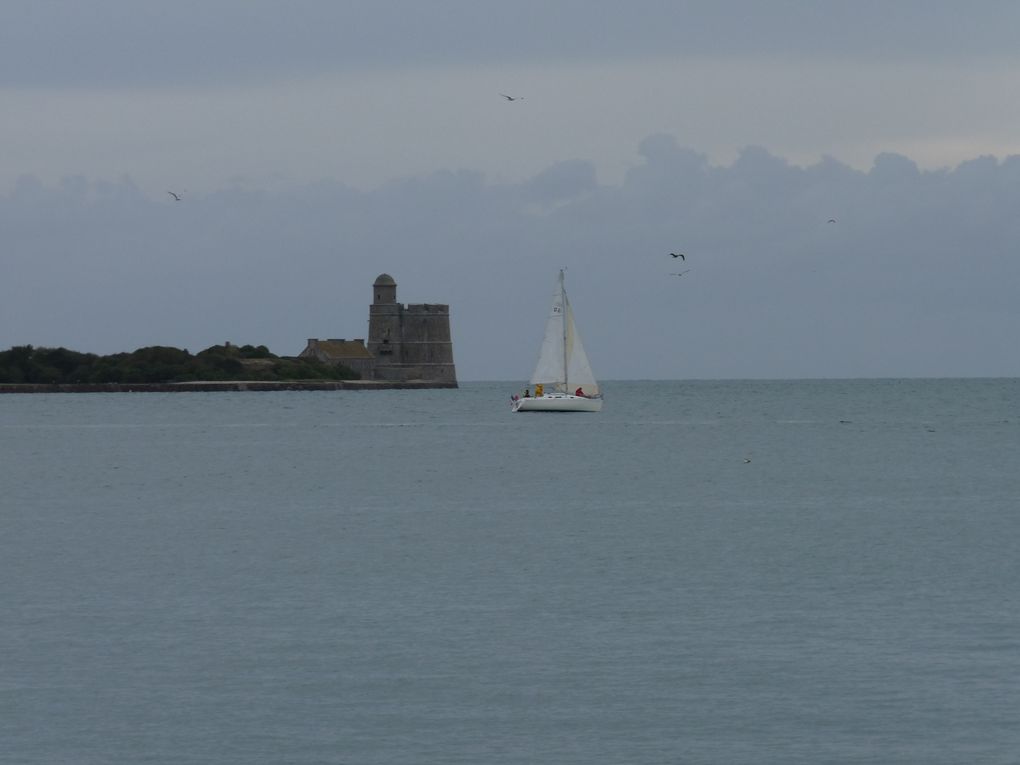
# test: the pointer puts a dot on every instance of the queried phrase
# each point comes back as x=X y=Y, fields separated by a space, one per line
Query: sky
x=317 y=144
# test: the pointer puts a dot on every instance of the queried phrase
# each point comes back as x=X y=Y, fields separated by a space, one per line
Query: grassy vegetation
x=160 y=364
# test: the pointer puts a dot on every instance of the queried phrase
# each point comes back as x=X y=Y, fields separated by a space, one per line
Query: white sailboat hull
x=557 y=402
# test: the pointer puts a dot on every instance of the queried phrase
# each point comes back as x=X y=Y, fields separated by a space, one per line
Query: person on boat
x=527 y=393
x=539 y=390
x=580 y=392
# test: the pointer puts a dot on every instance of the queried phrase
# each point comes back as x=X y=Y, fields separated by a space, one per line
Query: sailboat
x=563 y=380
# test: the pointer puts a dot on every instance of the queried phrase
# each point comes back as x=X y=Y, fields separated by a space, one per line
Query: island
x=409 y=347
x=25 y=369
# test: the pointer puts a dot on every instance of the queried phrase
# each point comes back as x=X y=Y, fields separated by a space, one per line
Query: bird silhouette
x=681 y=273
x=832 y=220
x=512 y=98
x=678 y=255
x=177 y=197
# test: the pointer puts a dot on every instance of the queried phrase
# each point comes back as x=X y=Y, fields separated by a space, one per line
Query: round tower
x=409 y=342
x=385 y=330
x=427 y=349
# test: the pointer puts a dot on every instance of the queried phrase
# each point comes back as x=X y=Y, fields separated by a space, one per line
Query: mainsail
x=562 y=363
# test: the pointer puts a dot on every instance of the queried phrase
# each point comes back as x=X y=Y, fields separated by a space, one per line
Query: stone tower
x=410 y=342
x=384 y=325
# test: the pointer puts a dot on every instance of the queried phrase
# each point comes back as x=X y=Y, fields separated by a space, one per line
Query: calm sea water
x=423 y=577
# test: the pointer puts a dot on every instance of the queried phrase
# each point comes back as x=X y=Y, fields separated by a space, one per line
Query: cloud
x=562 y=181
x=915 y=277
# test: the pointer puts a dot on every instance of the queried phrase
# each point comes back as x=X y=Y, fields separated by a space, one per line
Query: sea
x=730 y=572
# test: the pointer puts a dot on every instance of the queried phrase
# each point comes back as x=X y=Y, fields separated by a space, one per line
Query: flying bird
x=832 y=220
x=681 y=273
x=177 y=197
x=678 y=255
x=512 y=98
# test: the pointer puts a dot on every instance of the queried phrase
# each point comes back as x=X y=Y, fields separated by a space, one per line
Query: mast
x=563 y=291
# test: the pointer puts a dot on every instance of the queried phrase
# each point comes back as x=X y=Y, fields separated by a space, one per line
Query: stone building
x=351 y=353
x=405 y=342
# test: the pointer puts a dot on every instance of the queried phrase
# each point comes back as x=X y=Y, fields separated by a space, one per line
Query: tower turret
x=385 y=289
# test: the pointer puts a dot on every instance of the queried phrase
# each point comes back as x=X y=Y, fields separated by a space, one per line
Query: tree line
x=160 y=364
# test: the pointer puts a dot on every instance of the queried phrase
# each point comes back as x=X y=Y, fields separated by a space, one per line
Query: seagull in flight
x=832 y=220
x=678 y=255
x=512 y=98
x=177 y=197
x=681 y=273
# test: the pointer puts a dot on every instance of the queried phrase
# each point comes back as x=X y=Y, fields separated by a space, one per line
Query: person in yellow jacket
x=538 y=390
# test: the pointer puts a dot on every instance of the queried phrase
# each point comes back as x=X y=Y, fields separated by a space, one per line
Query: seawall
x=226 y=387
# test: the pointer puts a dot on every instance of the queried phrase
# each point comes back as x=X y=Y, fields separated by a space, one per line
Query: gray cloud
x=916 y=277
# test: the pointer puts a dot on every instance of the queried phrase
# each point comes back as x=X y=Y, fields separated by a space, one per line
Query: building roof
x=384 y=279
x=343 y=349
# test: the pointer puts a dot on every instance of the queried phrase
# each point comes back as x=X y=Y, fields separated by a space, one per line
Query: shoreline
x=228 y=386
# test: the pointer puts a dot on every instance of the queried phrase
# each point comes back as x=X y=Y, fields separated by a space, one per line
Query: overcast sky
x=320 y=143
